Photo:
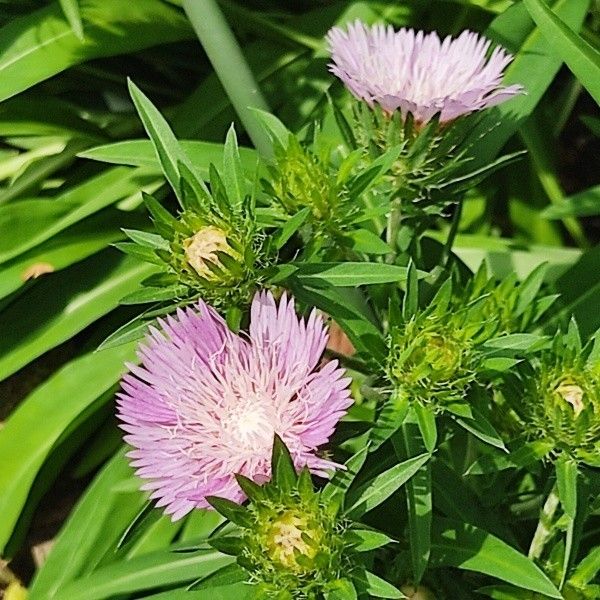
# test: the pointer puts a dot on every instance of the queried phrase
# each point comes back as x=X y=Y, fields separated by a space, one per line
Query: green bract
x=432 y=167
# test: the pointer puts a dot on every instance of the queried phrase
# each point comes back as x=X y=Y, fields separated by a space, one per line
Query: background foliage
x=74 y=162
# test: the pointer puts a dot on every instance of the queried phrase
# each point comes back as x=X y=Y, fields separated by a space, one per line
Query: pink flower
x=206 y=403
x=417 y=72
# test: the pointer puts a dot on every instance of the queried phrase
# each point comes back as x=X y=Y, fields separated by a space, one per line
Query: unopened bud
x=201 y=249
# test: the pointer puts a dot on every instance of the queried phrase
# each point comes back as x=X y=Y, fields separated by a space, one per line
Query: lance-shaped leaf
x=380 y=488
x=467 y=547
x=582 y=58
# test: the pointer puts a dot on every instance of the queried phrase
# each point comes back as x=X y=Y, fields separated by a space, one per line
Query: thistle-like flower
x=417 y=72
x=205 y=403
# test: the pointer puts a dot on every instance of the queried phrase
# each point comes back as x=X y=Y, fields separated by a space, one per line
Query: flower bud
x=431 y=362
x=561 y=401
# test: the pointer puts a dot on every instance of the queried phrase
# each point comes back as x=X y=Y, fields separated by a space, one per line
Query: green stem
x=544 y=530
x=229 y=63
x=393 y=227
x=452 y=234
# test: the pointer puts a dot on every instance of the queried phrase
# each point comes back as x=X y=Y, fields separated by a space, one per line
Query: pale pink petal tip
x=205 y=403
x=415 y=72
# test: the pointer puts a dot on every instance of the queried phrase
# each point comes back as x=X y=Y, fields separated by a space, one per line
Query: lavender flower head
x=205 y=403
x=417 y=72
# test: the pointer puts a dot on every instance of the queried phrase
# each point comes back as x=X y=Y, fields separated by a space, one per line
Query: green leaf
x=26 y=447
x=233 y=175
x=582 y=58
x=372 y=585
x=367 y=242
x=64 y=249
x=32 y=177
x=142 y=573
x=233 y=511
x=583 y=204
x=147 y=240
x=504 y=592
x=426 y=421
x=579 y=289
x=71 y=10
x=249 y=487
x=380 y=488
x=145 y=514
x=140 y=153
x=350 y=274
x=410 y=302
x=340 y=589
x=129 y=332
x=534 y=66
x=168 y=150
x=275 y=129
x=389 y=420
x=66 y=303
x=363 y=540
x=587 y=569
x=529 y=289
x=363 y=181
x=139 y=252
x=467 y=547
x=480 y=427
x=457 y=497
x=27 y=223
x=418 y=496
x=290 y=227
x=151 y=294
x=234 y=591
x=97 y=515
x=523 y=456
x=336 y=488
x=32 y=115
x=518 y=343
x=592 y=123
x=566 y=480
x=41 y=44
x=227 y=575
x=228 y=544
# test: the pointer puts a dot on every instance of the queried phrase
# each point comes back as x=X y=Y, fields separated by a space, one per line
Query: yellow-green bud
x=285 y=539
x=201 y=249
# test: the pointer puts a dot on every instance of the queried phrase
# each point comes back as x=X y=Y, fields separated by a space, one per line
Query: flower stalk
x=544 y=529
x=231 y=67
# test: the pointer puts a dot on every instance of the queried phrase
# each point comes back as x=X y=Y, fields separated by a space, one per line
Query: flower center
x=251 y=424
x=284 y=538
